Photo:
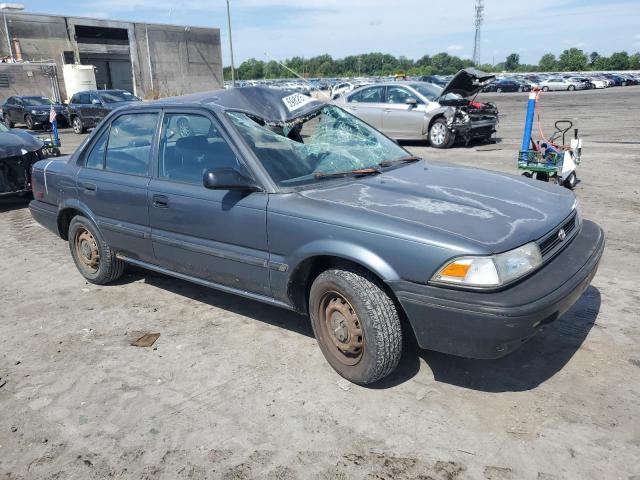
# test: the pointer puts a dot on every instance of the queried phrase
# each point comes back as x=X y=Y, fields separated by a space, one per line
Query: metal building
x=145 y=59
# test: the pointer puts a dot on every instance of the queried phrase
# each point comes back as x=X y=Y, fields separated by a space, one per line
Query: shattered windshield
x=326 y=143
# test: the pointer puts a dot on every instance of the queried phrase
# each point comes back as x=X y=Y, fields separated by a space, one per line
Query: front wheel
x=28 y=121
x=571 y=88
x=545 y=89
x=571 y=181
x=78 y=125
x=356 y=324
x=439 y=134
x=93 y=257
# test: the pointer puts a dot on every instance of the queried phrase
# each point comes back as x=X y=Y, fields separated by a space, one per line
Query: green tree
x=573 y=60
x=512 y=62
x=602 y=63
x=619 y=61
x=548 y=63
x=593 y=58
x=634 y=61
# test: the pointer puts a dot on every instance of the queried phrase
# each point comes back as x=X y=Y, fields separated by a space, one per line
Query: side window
x=95 y=159
x=398 y=95
x=130 y=140
x=11 y=101
x=190 y=144
x=93 y=98
x=83 y=98
x=368 y=95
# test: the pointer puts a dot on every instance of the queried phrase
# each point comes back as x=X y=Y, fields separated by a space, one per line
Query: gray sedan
x=559 y=83
x=284 y=199
x=420 y=110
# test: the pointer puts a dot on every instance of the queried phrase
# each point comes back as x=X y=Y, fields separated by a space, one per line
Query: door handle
x=160 y=201
x=90 y=187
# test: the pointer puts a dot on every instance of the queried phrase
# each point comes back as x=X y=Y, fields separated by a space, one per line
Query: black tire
x=571 y=181
x=364 y=341
x=93 y=257
x=8 y=123
x=78 y=125
x=439 y=134
x=545 y=89
x=28 y=121
x=571 y=88
x=498 y=90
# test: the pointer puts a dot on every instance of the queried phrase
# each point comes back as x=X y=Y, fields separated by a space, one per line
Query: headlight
x=493 y=271
x=34 y=112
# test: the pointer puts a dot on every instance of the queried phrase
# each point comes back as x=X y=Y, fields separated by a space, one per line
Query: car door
x=400 y=119
x=368 y=104
x=17 y=110
x=216 y=235
x=114 y=180
x=98 y=109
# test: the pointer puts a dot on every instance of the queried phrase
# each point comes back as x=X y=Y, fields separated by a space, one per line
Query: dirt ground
x=235 y=389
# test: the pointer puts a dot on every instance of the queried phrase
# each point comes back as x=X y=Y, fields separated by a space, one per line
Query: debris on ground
x=147 y=340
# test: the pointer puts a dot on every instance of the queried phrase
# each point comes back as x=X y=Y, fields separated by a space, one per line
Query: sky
x=279 y=29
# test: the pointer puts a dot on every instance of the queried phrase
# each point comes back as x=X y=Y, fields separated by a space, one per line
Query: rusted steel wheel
x=95 y=260
x=356 y=324
x=87 y=250
x=339 y=324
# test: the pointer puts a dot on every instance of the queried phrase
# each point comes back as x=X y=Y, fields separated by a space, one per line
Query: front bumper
x=492 y=324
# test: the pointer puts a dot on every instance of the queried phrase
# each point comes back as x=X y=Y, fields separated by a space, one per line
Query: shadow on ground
x=535 y=362
x=8 y=204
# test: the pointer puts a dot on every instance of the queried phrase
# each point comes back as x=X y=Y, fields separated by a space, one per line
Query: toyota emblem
x=562 y=234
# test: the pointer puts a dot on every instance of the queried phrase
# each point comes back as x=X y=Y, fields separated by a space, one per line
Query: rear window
x=115 y=97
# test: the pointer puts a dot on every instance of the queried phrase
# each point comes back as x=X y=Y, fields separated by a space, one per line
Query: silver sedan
x=559 y=83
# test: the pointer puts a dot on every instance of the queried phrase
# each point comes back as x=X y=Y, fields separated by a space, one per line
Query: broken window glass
x=328 y=141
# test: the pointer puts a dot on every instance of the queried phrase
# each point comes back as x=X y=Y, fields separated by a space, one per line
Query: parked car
x=433 y=79
x=599 y=82
x=32 y=111
x=586 y=82
x=296 y=203
x=341 y=88
x=421 y=111
x=559 y=83
x=510 y=85
x=19 y=150
x=87 y=109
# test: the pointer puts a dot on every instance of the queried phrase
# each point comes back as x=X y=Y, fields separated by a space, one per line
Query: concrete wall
x=26 y=79
x=183 y=59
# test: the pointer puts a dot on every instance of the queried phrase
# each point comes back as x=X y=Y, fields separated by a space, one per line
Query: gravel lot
x=235 y=389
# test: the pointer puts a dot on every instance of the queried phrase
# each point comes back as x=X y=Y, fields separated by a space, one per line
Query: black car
x=441 y=82
x=33 y=111
x=19 y=150
x=87 y=109
x=509 y=85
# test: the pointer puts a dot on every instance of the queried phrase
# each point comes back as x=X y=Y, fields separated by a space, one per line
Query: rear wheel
x=498 y=90
x=93 y=257
x=545 y=89
x=439 y=134
x=356 y=324
x=571 y=88
x=78 y=125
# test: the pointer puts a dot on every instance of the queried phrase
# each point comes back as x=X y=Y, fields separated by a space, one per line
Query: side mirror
x=95 y=101
x=411 y=101
x=228 y=179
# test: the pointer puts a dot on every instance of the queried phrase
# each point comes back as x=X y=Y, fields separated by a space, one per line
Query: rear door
x=216 y=235
x=368 y=104
x=113 y=183
x=17 y=110
x=400 y=119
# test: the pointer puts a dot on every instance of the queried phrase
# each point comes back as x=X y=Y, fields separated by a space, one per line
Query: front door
x=400 y=119
x=216 y=235
x=113 y=183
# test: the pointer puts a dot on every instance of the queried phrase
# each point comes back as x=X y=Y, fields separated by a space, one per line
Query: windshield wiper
x=356 y=172
x=407 y=159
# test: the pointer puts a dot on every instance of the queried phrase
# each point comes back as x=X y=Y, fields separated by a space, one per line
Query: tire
x=356 y=324
x=571 y=181
x=94 y=259
x=78 y=125
x=571 y=88
x=439 y=134
x=28 y=121
x=8 y=123
x=545 y=89
x=498 y=90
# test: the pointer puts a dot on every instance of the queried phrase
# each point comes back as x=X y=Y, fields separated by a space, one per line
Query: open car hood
x=467 y=82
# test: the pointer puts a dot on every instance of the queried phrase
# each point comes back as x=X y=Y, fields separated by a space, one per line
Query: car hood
x=17 y=142
x=467 y=82
x=493 y=210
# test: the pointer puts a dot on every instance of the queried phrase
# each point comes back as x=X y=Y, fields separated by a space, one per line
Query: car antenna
x=295 y=73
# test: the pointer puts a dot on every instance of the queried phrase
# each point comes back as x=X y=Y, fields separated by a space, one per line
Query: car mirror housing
x=411 y=101
x=228 y=179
